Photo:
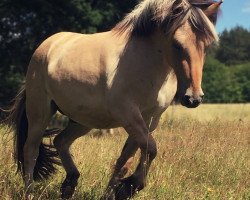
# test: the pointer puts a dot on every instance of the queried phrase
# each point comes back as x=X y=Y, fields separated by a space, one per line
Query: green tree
x=219 y=83
x=234 y=46
x=242 y=74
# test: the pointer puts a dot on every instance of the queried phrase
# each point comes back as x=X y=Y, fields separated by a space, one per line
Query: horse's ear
x=213 y=9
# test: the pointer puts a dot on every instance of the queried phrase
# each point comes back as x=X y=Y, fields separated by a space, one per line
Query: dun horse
x=126 y=77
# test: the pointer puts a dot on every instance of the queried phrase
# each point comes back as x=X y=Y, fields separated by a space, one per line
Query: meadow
x=203 y=153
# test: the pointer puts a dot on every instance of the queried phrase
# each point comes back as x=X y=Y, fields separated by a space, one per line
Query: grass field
x=203 y=154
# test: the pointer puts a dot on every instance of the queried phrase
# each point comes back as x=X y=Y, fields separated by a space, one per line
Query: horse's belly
x=90 y=115
x=95 y=119
x=82 y=103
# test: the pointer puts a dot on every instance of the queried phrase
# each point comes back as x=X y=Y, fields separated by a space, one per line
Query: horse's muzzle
x=191 y=101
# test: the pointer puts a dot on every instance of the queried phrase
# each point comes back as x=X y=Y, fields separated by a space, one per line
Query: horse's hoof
x=68 y=188
x=127 y=188
x=67 y=192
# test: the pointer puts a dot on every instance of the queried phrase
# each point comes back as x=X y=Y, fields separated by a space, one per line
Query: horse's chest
x=154 y=109
x=166 y=93
x=162 y=97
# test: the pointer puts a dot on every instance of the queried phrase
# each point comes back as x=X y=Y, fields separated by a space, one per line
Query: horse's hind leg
x=39 y=111
x=62 y=143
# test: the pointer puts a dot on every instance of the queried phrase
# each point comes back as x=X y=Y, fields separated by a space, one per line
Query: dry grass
x=203 y=154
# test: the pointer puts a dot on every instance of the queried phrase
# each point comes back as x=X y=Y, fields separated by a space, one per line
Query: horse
x=126 y=77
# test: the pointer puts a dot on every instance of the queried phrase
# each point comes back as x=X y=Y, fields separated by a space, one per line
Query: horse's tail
x=17 y=119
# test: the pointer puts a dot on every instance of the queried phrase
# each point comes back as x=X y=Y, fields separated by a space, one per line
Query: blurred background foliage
x=25 y=24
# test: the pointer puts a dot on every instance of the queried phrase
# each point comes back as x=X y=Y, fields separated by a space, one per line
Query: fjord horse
x=125 y=77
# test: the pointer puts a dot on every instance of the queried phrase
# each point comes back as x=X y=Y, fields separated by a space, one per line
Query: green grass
x=203 y=154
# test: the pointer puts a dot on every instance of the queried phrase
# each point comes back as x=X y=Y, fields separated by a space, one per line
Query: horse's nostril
x=196 y=101
x=187 y=98
x=191 y=101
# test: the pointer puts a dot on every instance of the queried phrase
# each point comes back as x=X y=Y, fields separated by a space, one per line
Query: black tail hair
x=17 y=120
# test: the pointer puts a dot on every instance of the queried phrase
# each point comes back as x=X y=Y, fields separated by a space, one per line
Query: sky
x=234 y=12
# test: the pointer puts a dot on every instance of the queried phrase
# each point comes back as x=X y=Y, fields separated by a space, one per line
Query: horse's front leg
x=137 y=181
x=121 y=167
x=139 y=136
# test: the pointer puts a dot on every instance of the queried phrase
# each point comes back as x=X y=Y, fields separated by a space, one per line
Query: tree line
x=227 y=69
x=25 y=24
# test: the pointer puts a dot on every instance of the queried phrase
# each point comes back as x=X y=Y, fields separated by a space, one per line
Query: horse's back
x=78 y=55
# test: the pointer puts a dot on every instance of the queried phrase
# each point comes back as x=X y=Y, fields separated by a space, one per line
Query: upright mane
x=168 y=15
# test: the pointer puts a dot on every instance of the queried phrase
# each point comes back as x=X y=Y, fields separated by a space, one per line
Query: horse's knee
x=74 y=176
x=150 y=148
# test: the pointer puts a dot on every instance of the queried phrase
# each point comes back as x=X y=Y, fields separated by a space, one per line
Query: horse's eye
x=177 y=46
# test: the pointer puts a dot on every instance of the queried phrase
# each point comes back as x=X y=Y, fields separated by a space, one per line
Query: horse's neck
x=144 y=63
x=151 y=53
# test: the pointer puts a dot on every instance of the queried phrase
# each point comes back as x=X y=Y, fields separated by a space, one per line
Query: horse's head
x=189 y=28
x=188 y=45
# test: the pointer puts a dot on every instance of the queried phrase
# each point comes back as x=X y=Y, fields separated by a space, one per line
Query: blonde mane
x=167 y=15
